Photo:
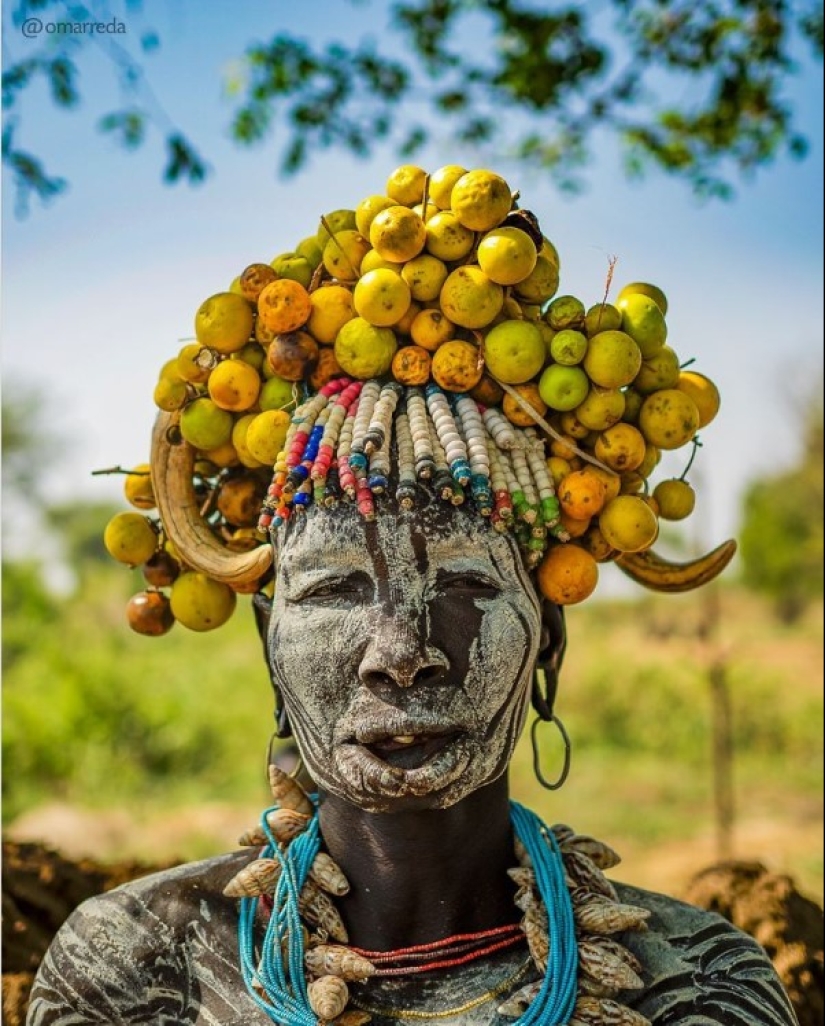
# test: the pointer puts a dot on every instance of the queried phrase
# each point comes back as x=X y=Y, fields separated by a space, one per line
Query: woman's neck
x=418 y=876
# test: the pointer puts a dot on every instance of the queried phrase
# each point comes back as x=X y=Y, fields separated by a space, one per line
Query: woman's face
x=404 y=649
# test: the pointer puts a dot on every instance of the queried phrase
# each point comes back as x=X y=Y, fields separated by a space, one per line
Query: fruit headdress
x=417 y=340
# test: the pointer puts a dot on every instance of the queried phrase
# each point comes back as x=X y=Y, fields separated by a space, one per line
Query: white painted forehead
x=442 y=538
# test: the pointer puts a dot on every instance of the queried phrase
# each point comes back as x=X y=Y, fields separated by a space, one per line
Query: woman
x=404 y=647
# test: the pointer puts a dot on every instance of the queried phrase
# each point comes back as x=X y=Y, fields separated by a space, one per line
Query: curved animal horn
x=661 y=574
x=179 y=509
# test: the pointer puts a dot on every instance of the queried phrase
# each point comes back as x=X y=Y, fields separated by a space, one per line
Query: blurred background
x=147 y=163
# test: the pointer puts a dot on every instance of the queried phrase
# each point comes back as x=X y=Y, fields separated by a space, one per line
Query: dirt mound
x=788 y=925
x=40 y=889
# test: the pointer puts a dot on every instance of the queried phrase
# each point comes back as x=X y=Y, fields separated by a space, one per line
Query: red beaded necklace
x=459 y=949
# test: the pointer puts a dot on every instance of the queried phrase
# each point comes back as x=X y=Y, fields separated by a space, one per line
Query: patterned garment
x=162 y=950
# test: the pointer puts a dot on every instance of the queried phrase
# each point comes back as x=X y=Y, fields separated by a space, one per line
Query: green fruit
x=568 y=346
x=514 y=351
x=294 y=266
x=565 y=312
x=660 y=371
x=205 y=425
x=563 y=388
x=644 y=288
x=276 y=394
x=643 y=321
x=130 y=538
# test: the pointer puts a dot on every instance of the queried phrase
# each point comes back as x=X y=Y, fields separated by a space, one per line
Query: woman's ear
x=262 y=608
x=549 y=660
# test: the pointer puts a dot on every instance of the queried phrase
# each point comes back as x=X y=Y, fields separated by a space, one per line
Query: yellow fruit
x=284 y=305
x=514 y=351
x=676 y=499
x=430 y=328
x=612 y=359
x=373 y=260
x=612 y=482
x=456 y=366
x=568 y=574
x=602 y=317
x=601 y=408
x=234 y=385
x=645 y=289
x=558 y=469
x=368 y=208
x=575 y=528
x=137 y=487
x=507 y=255
x=632 y=405
x=481 y=200
x=194 y=363
x=660 y=371
x=204 y=425
x=130 y=538
x=628 y=524
x=447 y=238
x=441 y=184
x=343 y=254
x=594 y=542
x=541 y=284
x=170 y=395
x=224 y=322
x=398 y=234
x=650 y=461
x=669 y=419
x=171 y=370
x=239 y=432
x=224 y=456
x=200 y=603
x=336 y=221
x=431 y=210
x=425 y=274
x=581 y=494
x=363 y=350
x=266 y=434
x=469 y=298
x=644 y=322
x=381 y=297
x=406 y=184
x=569 y=424
x=331 y=309
x=411 y=365
x=703 y=392
x=515 y=412
x=621 y=447
x=403 y=326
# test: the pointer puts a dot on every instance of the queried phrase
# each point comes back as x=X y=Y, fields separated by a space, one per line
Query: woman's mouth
x=409 y=751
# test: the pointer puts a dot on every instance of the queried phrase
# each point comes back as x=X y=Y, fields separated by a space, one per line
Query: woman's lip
x=425 y=770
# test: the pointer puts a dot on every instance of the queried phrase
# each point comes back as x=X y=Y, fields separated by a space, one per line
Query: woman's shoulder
x=700 y=969
x=146 y=948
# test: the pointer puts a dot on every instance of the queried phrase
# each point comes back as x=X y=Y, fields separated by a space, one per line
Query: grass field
x=117 y=745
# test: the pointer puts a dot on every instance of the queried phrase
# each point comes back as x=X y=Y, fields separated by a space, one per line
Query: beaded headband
x=416 y=341
x=340 y=446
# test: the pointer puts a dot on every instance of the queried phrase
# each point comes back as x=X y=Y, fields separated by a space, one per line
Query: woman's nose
x=398 y=655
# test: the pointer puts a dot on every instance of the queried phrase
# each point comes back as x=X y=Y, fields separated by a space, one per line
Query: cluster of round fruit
x=442 y=278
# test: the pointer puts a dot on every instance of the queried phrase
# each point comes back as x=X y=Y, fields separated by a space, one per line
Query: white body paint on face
x=404 y=650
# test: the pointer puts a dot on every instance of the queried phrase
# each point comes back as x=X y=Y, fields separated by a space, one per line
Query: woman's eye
x=339 y=590
x=476 y=584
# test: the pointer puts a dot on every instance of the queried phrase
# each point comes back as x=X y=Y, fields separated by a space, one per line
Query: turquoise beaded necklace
x=279 y=973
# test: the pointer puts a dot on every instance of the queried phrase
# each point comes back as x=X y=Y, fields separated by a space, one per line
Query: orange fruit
x=581 y=494
x=411 y=365
x=284 y=305
x=568 y=574
x=456 y=366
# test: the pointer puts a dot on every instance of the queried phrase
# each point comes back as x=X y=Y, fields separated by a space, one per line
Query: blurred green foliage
x=781 y=542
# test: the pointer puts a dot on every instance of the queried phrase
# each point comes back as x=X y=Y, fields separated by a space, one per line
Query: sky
x=100 y=287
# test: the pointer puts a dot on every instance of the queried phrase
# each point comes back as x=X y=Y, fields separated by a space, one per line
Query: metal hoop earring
x=300 y=765
x=537 y=758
